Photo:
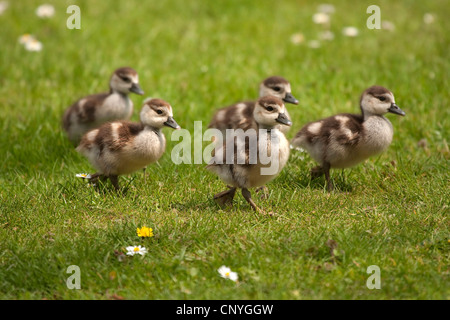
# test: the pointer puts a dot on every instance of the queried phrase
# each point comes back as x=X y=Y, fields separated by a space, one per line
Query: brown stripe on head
x=274 y=80
x=157 y=104
x=125 y=71
x=268 y=100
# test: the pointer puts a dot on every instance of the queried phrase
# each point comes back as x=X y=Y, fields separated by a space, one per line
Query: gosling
x=344 y=140
x=243 y=168
x=122 y=147
x=239 y=115
x=92 y=111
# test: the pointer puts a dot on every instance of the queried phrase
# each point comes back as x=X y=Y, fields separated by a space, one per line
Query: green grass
x=391 y=211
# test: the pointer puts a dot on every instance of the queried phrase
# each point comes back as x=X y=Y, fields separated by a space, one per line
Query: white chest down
x=146 y=148
x=378 y=135
x=116 y=106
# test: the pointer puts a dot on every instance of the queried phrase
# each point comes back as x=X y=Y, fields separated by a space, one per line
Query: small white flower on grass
x=314 y=44
x=45 y=11
x=326 y=35
x=297 y=38
x=132 y=250
x=33 y=45
x=26 y=38
x=326 y=8
x=3 y=6
x=301 y=152
x=297 y=148
x=350 y=31
x=428 y=18
x=226 y=273
x=83 y=175
x=387 y=25
x=321 y=18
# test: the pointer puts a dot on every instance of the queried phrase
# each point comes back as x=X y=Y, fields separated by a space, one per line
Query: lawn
x=390 y=211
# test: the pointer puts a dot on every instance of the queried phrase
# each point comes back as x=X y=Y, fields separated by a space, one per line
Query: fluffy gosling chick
x=344 y=140
x=240 y=115
x=244 y=169
x=92 y=111
x=122 y=147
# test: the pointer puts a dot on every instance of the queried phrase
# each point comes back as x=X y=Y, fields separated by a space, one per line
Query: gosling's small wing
x=83 y=111
x=112 y=136
x=122 y=133
x=344 y=129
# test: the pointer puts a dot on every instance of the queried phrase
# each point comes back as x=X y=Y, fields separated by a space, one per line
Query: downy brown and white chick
x=92 y=111
x=344 y=140
x=244 y=168
x=239 y=115
x=122 y=147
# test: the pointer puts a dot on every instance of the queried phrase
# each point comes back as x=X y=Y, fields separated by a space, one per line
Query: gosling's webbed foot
x=95 y=178
x=264 y=191
x=225 y=198
x=248 y=197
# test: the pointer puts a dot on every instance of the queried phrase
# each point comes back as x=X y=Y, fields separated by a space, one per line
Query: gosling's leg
x=326 y=169
x=115 y=181
x=96 y=177
x=145 y=174
x=248 y=196
x=225 y=198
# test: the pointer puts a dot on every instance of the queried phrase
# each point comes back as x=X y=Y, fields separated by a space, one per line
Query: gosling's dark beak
x=395 y=109
x=283 y=119
x=136 y=89
x=289 y=98
x=172 y=123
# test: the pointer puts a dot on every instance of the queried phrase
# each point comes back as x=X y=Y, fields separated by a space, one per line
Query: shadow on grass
x=209 y=205
x=293 y=179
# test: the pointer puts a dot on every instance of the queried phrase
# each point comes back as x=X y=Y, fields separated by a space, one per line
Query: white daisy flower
x=350 y=31
x=33 y=45
x=132 y=250
x=326 y=8
x=314 y=44
x=3 y=6
x=297 y=148
x=321 y=18
x=226 y=273
x=45 y=11
x=326 y=35
x=428 y=18
x=387 y=25
x=23 y=39
x=83 y=175
x=297 y=38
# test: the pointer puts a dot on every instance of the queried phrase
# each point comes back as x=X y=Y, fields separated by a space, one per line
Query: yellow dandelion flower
x=145 y=232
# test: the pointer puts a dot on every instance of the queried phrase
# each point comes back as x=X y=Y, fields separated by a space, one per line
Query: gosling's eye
x=159 y=111
x=126 y=79
x=382 y=98
x=277 y=89
x=269 y=108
